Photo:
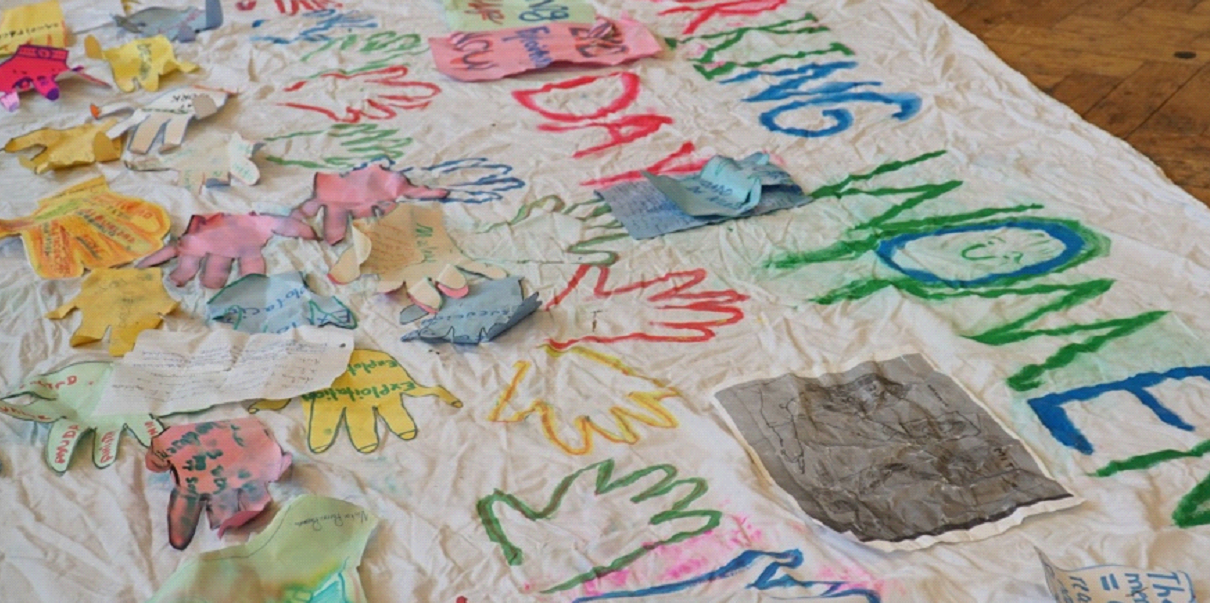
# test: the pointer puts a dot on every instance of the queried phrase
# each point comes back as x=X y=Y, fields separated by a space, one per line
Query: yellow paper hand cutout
x=628 y=408
x=373 y=386
x=142 y=61
x=80 y=145
x=124 y=301
x=40 y=24
x=88 y=226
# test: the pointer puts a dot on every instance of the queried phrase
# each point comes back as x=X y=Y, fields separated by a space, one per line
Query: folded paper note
x=88 y=226
x=123 y=301
x=40 y=23
x=178 y=25
x=1117 y=584
x=210 y=161
x=723 y=188
x=275 y=304
x=223 y=467
x=410 y=248
x=168 y=115
x=309 y=552
x=169 y=373
x=67 y=399
x=370 y=190
x=211 y=243
x=81 y=145
x=491 y=55
x=486 y=15
x=373 y=387
x=852 y=446
x=35 y=68
x=491 y=308
x=646 y=212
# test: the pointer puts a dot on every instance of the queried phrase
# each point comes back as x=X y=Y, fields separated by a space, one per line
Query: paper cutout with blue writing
x=178 y=25
x=722 y=188
x=310 y=552
x=646 y=212
x=774 y=575
x=1116 y=583
x=275 y=304
x=491 y=308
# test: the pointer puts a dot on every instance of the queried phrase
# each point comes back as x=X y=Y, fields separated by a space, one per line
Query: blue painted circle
x=1072 y=242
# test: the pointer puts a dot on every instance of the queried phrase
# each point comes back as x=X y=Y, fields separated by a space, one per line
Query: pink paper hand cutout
x=217 y=240
x=222 y=466
x=35 y=68
x=364 y=192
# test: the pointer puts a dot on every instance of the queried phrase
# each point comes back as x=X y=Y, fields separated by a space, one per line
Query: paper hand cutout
x=178 y=25
x=491 y=308
x=222 y=466
x=125 y=301
x=276 y=304
x=366 y=391
x=81 y=145
x=217 y=240
x=310 y=552
x=88 y=226
x=36 y=68
x=409 y=247
x=208 y=162
x=67 y=398
x=669 y=308
x=139 y=62
x=40 y=23
x=169 y=113
x=366 y=191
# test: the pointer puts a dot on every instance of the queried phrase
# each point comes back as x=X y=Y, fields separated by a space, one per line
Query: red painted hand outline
x=383 y=90
x=672 y=295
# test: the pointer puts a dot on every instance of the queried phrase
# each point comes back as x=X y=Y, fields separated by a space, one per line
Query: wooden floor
x=1140 y=69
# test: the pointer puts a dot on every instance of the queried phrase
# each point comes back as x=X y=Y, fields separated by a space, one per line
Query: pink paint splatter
x=853 y=575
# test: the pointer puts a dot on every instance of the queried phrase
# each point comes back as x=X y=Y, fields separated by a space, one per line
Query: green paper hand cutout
x=66 y=399
x=310 y=552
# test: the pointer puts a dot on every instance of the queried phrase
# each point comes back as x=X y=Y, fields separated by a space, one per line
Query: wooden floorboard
x=1140 y=69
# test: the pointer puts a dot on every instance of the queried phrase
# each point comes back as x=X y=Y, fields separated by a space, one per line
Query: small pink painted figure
x=221 y=466
x=364 y=192
x=220 y=239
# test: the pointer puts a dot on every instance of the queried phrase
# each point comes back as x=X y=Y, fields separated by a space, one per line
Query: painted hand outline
x=367 y=191
x=223 y=467
x=597 y=230
x=624 y=410
x=218 y=240
x=168 y=115
x=66 y=399
x=685 y=314
x=681 y=493
x=381 y=94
